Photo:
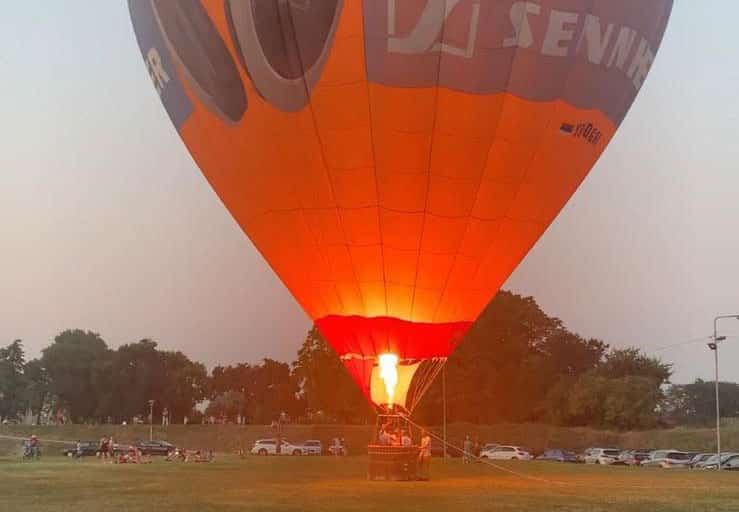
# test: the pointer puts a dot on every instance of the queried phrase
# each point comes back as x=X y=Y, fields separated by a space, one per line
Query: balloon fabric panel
x=395 y=160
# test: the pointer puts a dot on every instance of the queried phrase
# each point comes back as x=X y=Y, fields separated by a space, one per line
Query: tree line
x=517 y=364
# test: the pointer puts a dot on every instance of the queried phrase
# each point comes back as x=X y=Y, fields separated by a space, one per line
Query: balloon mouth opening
x=393 y=361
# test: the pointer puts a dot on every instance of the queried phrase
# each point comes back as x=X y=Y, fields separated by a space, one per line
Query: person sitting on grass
x=201 y=456
x=192 y=455
x=33 y=447
x=133 y=456
x=178 y=454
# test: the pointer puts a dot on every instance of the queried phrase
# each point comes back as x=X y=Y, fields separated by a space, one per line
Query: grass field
x=333 y=484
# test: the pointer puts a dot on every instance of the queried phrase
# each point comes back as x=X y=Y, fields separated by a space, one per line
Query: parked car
x=82 y=449
x=731 y=463
x=604 y=456
x=558 y=455
x=488 y=447
x=151 y=447
x=700 y=458
x=667 y=459
x=271 y=447
x=506 y=453
x=712 y=461
x=312 y=447
x=437 y=448
x=692 y=454
x=634 y=457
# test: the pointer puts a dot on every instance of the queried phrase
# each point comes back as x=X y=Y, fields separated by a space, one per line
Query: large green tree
x=271 y=390
x=12 y=381
x=228 y=404
x=229 y=378
x=185 y=384
x=37 y=391
x=632 y=361
x=695 y=403
x=137 y=376
x=76 y=363
x=141 y=372
x=507 y=364
x=268 y=388
x=621 y=391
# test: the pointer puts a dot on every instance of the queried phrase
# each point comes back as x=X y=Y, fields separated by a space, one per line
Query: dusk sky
x=106 y=223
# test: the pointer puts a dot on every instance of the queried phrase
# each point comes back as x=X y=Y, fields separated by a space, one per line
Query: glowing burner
x=389 y=374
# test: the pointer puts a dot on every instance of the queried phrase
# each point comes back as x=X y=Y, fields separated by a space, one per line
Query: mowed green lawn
x=329 y=484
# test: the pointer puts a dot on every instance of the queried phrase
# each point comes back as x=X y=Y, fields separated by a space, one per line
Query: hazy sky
x=106 y=223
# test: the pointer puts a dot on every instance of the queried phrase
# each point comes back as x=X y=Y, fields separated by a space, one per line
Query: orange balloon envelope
x=394 y=160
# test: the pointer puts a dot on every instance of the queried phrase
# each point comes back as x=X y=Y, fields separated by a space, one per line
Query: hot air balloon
x=394 y=160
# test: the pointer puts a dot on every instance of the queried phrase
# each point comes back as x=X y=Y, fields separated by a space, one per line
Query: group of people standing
x=470 y=450
x=389 y=436
x=106 y=448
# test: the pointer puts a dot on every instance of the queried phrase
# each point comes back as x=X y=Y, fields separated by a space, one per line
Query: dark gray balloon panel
x=590 y=53
x=593 y=54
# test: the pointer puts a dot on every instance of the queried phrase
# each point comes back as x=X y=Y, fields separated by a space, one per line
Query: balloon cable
x=482 y=460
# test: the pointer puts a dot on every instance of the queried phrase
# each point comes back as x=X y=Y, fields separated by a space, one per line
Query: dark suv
x=83 y=449
x=155 y=447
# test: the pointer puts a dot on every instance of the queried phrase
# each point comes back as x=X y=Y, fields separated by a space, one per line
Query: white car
x=667 y=459
x=270 y=447
x=489 y=446
x=503 y=452
x=604 y=456
x=312 y=447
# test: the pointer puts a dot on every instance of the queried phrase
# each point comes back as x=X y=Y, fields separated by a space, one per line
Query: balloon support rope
x=482 y=460
x=531 y=477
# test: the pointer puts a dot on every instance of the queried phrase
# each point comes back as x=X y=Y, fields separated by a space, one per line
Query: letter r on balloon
x=427 y=35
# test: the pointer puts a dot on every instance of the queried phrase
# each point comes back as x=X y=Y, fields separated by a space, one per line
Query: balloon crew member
x=467 y=446
x=424 y=461
x=103 y=448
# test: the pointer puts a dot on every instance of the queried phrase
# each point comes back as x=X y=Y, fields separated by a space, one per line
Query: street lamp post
x=443 y=405
x=151 y=420
x=714 y=346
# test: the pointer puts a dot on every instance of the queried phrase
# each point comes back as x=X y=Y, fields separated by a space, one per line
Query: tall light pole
x=443 y=406
x=714 y=346
x=151 y=420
